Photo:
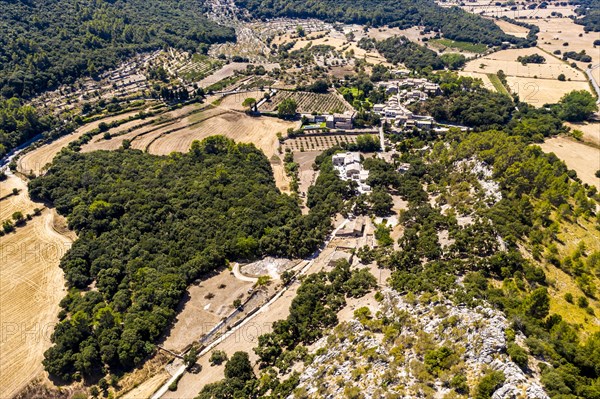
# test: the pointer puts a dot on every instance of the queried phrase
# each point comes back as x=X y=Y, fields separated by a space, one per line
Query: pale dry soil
x=199 y=312
x=35 y=161
x=591 y=131
x=31 y=286
x=536 y=84
x=583 y=159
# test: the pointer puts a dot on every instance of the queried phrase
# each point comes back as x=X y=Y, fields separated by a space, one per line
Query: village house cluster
x=349 y=168
x=402 y=93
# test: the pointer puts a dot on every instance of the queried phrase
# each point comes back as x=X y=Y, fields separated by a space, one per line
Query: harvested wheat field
x=238 y=126
x=511 y=29
x=34 y=161
x=591 y=131
x=15 y=203
x=234 y=101
x=32 y=285
x=506 y=60
x=536 y=84
x=555 y=32
x=538 y=92
x=582 y=158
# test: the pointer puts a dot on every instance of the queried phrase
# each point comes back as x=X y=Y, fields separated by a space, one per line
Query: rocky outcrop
x=384 y=353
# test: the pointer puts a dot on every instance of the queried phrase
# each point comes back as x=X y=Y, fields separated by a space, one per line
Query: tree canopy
x=150 y=225
x=452 y=22
x=40 y=47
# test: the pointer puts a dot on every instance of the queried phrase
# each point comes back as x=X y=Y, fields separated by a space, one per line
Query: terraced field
x=308 y=102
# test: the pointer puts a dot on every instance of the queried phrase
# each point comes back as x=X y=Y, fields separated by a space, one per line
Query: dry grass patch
x=511 y=29
x=32 y=287
x=238 y=126
x=203 y=306
x=582 y=158
x=591 y=131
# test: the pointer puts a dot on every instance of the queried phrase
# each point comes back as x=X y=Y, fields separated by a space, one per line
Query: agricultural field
x=520 y=11
x=236 y=125
x=308 y=102
x=536 y=84
x=199 y=67
x=554 y=33
x=317 y=143
x=583 y=159
x=511 y=29
x=33 y=162
x=32 y=286
x=445 y=44
x=336 y=39
x=229 y=70
x=414 y=34
x=590 y=130
x=538 y=92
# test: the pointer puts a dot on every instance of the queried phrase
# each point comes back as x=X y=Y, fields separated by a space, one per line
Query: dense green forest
x=148 y=226
x=19 y=123
x=453 y=22
x=44 y=43
x=398 y=49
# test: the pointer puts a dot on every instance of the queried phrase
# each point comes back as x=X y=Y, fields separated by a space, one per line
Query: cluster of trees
x=241 y=382
x=19 y=123
x=149 y=225
x=577 y=56
x=588 y=15
x=534 y=185
x=464 y=101
x=453 y=22
x=40 y=48
x=531 y=59
x=398 y=49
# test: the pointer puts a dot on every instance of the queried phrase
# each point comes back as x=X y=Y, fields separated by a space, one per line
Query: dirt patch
x=268 y=266
x=582 y=158
x=32 y=285
x=204 y=305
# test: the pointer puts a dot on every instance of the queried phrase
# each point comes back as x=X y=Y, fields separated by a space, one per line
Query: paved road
x=593 y=81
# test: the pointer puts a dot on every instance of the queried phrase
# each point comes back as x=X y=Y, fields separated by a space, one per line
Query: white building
x=349 y=167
